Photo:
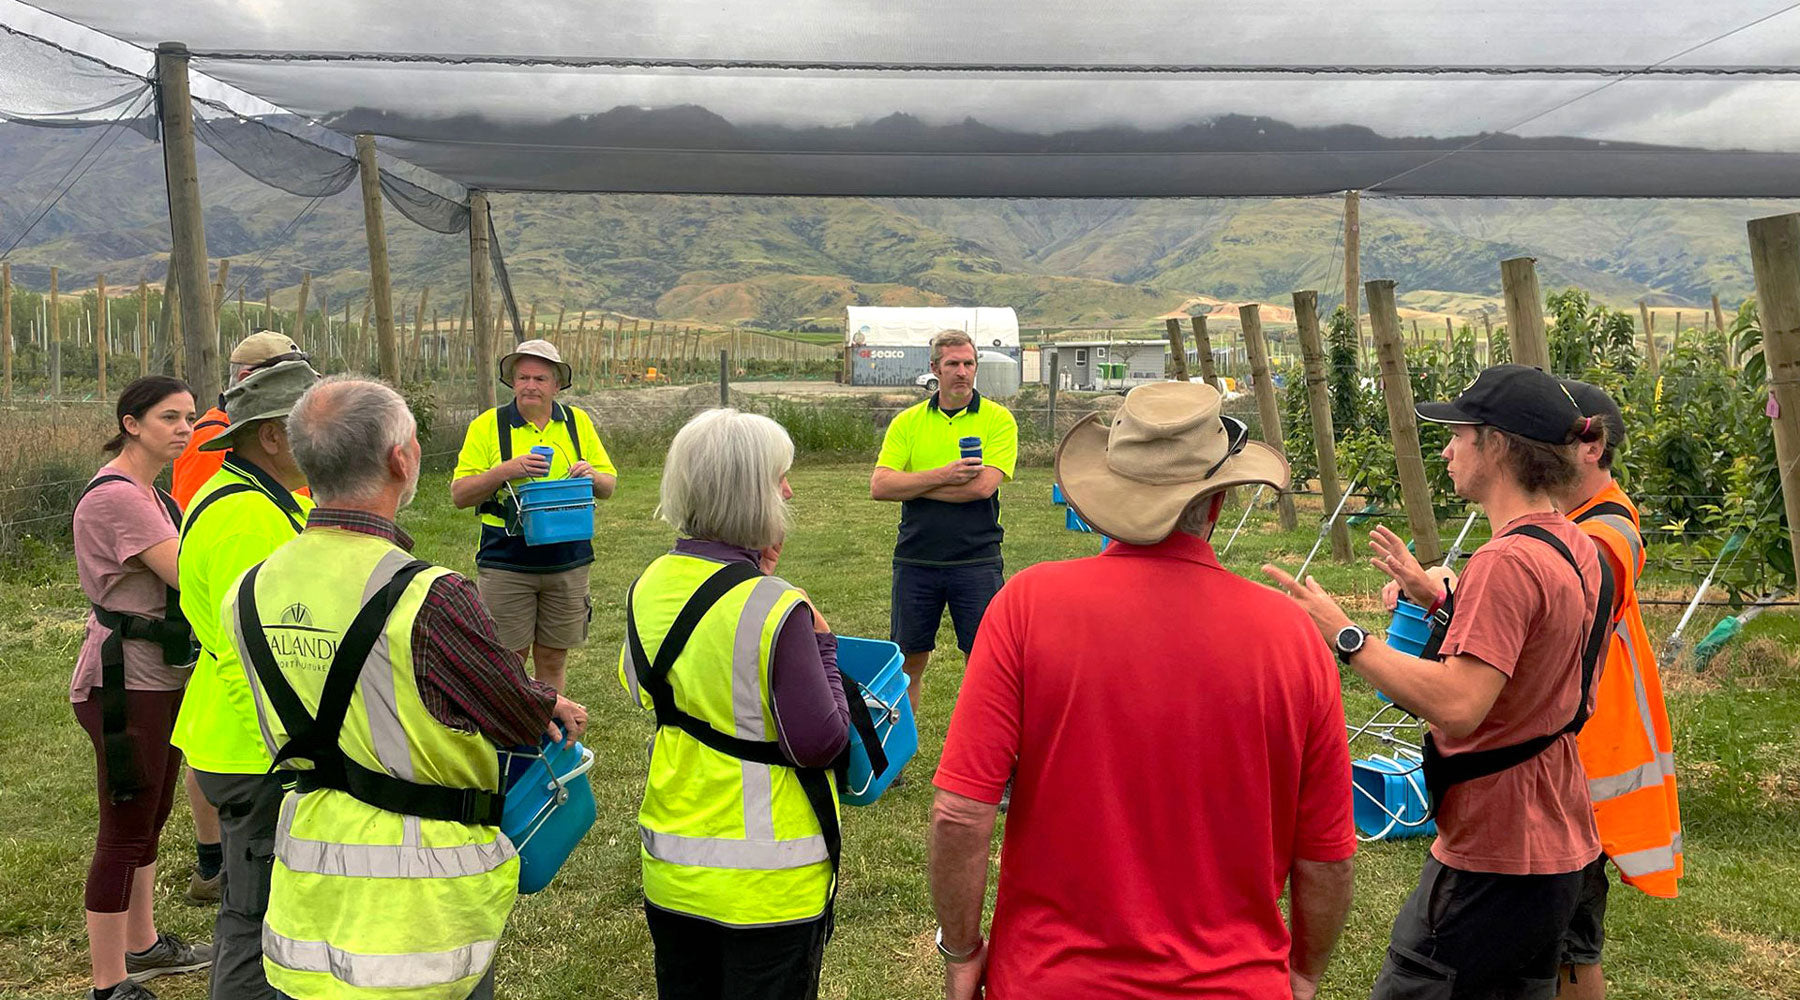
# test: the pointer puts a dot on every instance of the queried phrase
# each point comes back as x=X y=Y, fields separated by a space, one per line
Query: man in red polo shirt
x=1177 y=737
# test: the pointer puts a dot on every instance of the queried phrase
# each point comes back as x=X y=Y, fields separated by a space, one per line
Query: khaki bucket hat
x=543 y=350
x=1167 y=446
x=262 y=395
x=264 y=345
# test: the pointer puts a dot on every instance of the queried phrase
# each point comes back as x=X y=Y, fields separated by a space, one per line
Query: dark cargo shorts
x=1479 y=936
x=1587 y=929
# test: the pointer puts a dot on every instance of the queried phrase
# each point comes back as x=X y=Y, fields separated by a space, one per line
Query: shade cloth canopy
x=1048 y=98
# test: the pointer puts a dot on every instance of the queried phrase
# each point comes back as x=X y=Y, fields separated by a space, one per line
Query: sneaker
x=205 y=891
x=126 y=990
x=168 y=956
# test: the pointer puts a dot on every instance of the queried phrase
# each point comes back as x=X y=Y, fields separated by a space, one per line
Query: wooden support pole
x=171 y=322
x=218 y=298
x=418 y=348
x=561 y=311
x=1525 y=312
x=1449 y=332
x=1178 y=368
x=375 y=231
x=300 y=314
x=243 y=331
x=1318 y=404
x=143 y=328
x=531 y=323
x=1775 y=262
x=1487 y=327
x=1403 y=423
x=200 y=335
x=1267 y=406
x=480 y=280
x=1353 y=262
x=1731 y=358
x=268 y=314
x=6 y=334
x=1650 y=353
x=1203 y=349
x=102 y=335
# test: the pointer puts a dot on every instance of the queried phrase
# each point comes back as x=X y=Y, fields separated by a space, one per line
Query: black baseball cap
x=1598 y=403
x=1517 y=399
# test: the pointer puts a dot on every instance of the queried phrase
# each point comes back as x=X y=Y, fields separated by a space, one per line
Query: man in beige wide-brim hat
x=538 y=594
x=1174 y=733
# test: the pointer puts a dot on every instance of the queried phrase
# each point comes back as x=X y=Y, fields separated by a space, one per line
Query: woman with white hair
x=739 y=818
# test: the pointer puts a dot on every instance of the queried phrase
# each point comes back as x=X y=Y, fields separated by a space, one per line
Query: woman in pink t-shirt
x=126 y=536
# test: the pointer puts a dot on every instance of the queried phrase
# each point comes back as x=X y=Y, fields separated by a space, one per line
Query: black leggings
x=129 y=830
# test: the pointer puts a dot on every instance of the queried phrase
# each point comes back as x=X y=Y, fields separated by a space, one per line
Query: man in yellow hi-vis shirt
x=538 y=594
x=948 y=551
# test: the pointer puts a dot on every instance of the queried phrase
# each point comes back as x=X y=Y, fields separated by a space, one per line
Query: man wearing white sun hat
x=538 y=594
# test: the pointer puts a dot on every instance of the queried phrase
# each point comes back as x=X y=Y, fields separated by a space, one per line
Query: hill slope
x=786 y=261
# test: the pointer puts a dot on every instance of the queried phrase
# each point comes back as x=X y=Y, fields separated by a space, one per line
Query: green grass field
x=1735 y=932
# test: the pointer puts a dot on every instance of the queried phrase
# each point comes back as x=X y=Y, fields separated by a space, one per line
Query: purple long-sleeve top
x=812 y=719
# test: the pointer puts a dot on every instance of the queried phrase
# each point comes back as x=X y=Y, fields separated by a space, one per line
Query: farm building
x=892 y=345
x=1115 y=364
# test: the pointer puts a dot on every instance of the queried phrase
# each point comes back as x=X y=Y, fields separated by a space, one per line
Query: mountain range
x=791 y=262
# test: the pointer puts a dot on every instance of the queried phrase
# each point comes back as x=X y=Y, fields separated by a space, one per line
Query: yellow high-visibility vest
x=727 y=840
x=367 y=903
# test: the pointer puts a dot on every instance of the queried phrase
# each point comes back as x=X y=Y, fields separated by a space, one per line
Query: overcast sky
x=1758 y=114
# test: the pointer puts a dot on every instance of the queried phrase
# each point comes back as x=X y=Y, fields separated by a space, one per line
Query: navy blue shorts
x=921 y=593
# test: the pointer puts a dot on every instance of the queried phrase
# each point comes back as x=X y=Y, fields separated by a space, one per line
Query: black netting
x=274 y=156
x=502 y=279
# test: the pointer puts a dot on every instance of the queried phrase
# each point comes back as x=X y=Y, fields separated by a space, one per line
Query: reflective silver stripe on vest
x=404 y=860
x=1629 y=532
x=747 y=704
x=724 y=852
x=379 y=971
x=376 y=683
x=1645 y=862
x=1646 y=775
x=1637 y=687
x=1666 y=761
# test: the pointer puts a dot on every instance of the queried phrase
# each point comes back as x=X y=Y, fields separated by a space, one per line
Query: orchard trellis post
x=480 y=278
x=1203 y=348
x=1353 y=261
x=102 y=334
x=1649 y=337
x=373 y=228
x=1318 y=403
x=6 y=333
x=200 y=334
x=1525 y=312
x=1403 y=423
x=1268 y=407
x=1775 y=261
x=1177 y=351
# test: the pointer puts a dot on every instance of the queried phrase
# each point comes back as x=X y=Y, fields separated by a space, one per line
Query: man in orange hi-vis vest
x=1625 y=746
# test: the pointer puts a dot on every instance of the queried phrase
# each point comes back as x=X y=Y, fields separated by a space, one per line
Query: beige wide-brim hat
x=263 y=345
x=262 y=395
x=543 y=350
x=1167 y=446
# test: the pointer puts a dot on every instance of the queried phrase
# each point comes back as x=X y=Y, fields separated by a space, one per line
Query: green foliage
x=1296 y=425
x=1586 y=337
x=1502 y=346
x=422 y=399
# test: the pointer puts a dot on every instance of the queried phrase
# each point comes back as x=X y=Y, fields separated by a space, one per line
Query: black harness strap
x=500 y=505
x=316 y=738
x=170 y=632
x=653 y=677
x=1444 y=770
x=214 y=422
x=1612 y=507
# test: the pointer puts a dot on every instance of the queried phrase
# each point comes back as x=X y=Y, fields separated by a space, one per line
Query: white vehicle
x=927 y=381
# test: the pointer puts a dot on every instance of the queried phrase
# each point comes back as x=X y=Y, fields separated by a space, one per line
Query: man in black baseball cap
x=1504 y=690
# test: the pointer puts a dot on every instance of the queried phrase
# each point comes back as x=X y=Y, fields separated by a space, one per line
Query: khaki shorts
x=549 y=609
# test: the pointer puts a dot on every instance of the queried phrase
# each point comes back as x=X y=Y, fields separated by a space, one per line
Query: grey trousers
x=248 y=805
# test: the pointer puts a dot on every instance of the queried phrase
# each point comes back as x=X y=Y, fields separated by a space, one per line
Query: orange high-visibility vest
x=1625 y=746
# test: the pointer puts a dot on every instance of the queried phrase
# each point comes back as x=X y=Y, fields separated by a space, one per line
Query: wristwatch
x=951 y=956
x=1350 y=641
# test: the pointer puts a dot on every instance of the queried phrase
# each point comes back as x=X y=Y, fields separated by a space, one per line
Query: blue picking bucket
x=1073 y=521
x=549 y=808
x=1389 y=797
x=1410 y=630
x=556 y=510
x=874 y=665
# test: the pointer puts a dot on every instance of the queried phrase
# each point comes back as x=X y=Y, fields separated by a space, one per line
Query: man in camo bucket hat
x=538 y=594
